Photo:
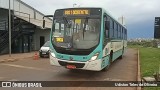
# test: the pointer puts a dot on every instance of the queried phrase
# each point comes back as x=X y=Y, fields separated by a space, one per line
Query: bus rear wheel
x=120 y=57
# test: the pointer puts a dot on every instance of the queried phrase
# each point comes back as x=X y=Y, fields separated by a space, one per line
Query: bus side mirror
x=44 y=22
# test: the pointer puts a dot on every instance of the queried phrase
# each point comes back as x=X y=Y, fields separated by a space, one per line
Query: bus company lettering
x=76 y=12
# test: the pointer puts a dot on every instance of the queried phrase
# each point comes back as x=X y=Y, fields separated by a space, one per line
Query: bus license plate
x=43 y=53
x=71 y=66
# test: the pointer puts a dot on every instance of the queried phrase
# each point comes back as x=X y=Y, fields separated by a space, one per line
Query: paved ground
x=15 y=57
x=33 y=70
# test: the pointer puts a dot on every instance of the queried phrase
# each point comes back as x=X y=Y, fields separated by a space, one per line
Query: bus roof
x=112 y=17
x=103 y=10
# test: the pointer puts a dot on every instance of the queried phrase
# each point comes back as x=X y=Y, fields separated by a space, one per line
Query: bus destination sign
x=76 y=12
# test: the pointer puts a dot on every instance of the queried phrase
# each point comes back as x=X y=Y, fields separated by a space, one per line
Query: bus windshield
x=76 y=33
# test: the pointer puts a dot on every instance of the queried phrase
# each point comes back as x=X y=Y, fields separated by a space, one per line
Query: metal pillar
x=9 y=28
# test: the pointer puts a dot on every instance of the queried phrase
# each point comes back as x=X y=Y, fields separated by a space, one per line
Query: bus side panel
x=117 y=49
x=106 y=52
x=105 y=62
x=125 y=46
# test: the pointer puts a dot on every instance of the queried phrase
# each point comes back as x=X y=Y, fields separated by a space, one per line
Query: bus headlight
x=95 y=56
x=53 y=55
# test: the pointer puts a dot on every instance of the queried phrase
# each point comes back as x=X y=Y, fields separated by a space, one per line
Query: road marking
x=7 y=79
x=25 y=67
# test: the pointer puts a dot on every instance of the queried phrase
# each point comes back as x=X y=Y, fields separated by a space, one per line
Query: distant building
x=26 y=22
x=122 y=20
x=157 y=28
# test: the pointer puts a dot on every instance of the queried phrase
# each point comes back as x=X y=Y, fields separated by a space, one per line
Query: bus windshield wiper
x=86 y=21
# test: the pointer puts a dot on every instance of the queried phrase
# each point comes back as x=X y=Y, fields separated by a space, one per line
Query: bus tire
x=122 y=54
x=105 y=69
x=110 y=62
x=121 y=57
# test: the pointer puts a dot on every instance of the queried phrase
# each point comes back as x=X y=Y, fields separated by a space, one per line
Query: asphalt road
x=40 y=70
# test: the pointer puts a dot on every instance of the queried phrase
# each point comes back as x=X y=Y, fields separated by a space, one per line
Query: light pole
x=80 y=5
x=74 y=4
x=9 y=28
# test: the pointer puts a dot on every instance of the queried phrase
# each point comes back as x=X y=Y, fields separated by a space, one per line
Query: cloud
x=135 y=11
x=143 y=29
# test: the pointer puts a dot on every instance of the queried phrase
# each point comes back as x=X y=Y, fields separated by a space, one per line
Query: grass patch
x=134 y=46
x=151 y=88
x=149 y=61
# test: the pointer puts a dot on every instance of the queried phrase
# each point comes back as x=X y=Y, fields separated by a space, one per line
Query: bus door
x=106 y=34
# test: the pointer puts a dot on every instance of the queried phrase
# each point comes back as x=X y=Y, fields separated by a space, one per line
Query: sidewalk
x=15 y=57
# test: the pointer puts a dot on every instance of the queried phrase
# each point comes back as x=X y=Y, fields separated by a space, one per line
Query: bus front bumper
x=94 y=65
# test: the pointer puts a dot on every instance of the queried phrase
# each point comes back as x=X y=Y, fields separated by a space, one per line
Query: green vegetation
x=149 y=61
x=152 y=43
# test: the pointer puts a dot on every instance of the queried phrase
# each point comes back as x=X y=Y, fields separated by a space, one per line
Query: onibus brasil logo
x=20 y=84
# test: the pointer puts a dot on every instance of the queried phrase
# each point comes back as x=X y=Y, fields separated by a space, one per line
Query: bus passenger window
x=107 y=33
x=107 y=27
x=57 y=27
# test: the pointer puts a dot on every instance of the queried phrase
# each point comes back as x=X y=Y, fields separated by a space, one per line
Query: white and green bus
x=86 y=38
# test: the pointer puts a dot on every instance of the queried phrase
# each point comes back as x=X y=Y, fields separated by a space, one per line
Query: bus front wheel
x=110 y=61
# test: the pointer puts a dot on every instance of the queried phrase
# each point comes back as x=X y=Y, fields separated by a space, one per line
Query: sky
x=139 y=14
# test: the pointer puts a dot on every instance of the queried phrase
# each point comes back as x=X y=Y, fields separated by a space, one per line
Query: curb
x=139 y=72
x=8 y=60
x=13 y=59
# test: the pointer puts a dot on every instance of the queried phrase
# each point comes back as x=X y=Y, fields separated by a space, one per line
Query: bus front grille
x=78 y=65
